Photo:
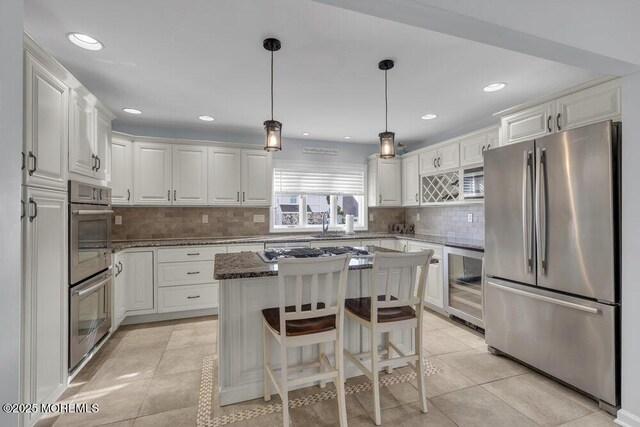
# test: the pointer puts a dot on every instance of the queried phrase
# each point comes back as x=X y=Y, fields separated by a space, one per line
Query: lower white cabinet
x=139 y=281
x=245 y=247
x=389 y=244
x=435 y=281
x=187 y=297
x=334 y=243
x=119 y=289
x=184 y=273
x=45 y=287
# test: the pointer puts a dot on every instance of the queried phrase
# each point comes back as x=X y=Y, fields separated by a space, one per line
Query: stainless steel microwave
x=473 y=183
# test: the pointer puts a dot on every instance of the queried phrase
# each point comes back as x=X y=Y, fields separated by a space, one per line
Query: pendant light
x=272 y=128
x=387 y=143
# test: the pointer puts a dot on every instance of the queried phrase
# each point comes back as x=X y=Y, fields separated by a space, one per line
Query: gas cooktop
x=273 y=255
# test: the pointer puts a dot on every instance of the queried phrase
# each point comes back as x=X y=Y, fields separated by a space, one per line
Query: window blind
x=319 y=178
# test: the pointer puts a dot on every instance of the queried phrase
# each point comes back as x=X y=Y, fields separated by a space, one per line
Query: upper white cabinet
x=225 y=177
x=591 y=105
x=103 y=147
x=121 y=172
x=152 y=173
x=82 y=147
x=45 y=294
x=89 y=139
x=257 y=170
x=239 y=177
x=445 y=157
x=410 y=186
x=385 y=182
x=473 y=147
x=46 y=127
x=189 y=175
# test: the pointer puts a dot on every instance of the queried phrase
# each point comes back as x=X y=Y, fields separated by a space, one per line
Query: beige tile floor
x=149 y=375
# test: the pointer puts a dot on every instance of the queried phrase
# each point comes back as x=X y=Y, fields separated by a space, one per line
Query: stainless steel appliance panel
x=464 y=275
x=574 y=212
x=509 y=237
x=89 y=240
x=80 y=192
x=90 y=315
x=569 y=338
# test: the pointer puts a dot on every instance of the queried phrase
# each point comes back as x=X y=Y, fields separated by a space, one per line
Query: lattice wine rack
x=441 y=188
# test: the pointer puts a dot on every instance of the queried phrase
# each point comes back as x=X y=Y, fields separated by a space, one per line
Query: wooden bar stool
x=314 y=317
x=400 y=307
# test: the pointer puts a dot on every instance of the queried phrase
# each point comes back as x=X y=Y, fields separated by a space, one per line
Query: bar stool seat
x=299 y=327
x=361 y=307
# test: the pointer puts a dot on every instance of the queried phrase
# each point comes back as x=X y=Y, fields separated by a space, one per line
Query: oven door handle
x=92 y=288
x=91 y=212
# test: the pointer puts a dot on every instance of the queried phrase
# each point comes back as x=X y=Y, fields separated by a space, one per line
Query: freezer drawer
x=569 y=338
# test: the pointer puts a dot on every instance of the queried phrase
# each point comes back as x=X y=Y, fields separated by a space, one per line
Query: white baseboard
x=627 y=419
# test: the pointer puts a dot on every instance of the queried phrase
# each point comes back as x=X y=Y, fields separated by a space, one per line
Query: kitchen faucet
x=325 y=218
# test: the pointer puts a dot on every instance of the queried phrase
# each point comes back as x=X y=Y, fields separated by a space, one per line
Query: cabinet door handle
x=35 y=209
x=99 y=193
x=98 y=163
x=558 y=121
x=238 y=197
x=24 y=210
x=380 y=198
x=23 y=161
x=175 y=195
x=128 y=195
x=93 y=194
x=193 y=254
x=416 y=197
x=193 y=296
x=434 y=162
x=169 y=195
x=488 y=146
x=93 y=162
x=35 y=163
x=243 y=196
x=549 y=124
x=439 y=161
x=193 y=272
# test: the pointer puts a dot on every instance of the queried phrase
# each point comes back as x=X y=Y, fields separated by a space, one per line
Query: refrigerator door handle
x=540 y=230
x=568 y=304
x=527 y=229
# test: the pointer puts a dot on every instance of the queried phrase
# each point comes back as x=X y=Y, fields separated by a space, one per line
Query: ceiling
x=178 y=60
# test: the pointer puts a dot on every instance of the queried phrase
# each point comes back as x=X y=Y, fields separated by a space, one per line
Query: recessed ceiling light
x=494 y=87
x=429 y=117
x=347 y=137
x=305 y=134
x=206 y=118
x=84 y=41
x=131 y=111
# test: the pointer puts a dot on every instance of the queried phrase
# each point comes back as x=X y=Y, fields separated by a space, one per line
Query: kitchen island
x=247 y=286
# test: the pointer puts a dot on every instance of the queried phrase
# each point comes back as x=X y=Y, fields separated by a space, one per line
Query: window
x=306 y=193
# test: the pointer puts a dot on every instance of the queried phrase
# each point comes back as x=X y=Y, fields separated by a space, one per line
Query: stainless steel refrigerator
x=552 y=295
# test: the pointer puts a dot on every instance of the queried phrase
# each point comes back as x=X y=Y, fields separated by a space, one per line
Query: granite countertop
x=118 y=246
x=244 y=265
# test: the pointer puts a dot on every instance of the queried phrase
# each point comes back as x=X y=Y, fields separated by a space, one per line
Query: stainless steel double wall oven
x=90 y=279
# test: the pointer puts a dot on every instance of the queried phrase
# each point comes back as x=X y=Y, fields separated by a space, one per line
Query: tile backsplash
x=141 y=223
x=449 y=221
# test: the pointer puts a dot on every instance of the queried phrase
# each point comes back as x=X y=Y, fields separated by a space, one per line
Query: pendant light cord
x=271 y=85
x=386 y=108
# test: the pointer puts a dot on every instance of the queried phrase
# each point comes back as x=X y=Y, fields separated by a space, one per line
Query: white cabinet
x=189 y=175
x=82 y=147
x=443 y=158
x=139 y=281
x=385 y=182
x=334 y=243
x=410 y=181
x=389 y=244
x=239 y=177
x=46 y=127
x=434 y=291
x=534 y=122
x=45 y=295
x=257 y=170
x=120 y=268
x=245 y=247
x=225 y=177
x=103 y=147
x=152 y=173
x=589 y=106
x=121 y=172
x=472 y=150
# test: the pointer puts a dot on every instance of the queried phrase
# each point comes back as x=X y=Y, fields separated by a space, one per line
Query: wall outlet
x=370 y=217
x=470 y=217
x=418 y=216
x=118 y=219
x=258 y=218
x=205 y=219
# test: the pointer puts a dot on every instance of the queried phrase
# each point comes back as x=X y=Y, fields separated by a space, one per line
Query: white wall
x=11 y=145
x=630 y=412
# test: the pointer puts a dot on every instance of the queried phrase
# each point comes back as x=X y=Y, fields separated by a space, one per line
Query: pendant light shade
x=272 y=140
x=387 y=139
x=272 y=128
